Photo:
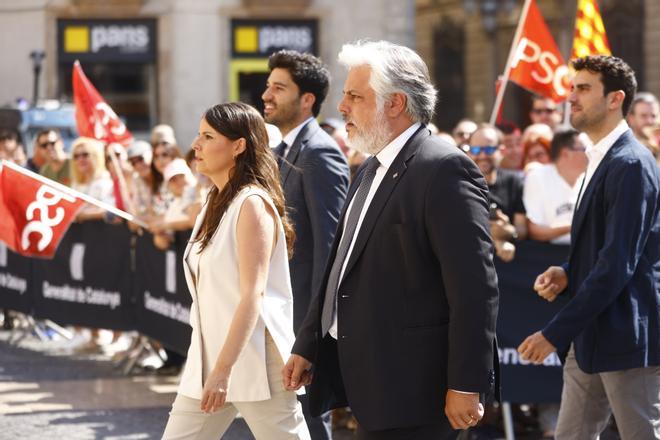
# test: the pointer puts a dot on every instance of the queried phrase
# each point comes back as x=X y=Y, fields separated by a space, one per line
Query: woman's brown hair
x=256 y=165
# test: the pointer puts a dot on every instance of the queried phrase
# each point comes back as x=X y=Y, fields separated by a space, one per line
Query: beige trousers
x=280 y=417
x=587 y=401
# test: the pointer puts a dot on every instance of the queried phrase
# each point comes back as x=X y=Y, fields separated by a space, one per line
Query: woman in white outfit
x=236 y=267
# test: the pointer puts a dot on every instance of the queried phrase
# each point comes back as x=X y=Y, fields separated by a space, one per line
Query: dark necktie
x=346 y=239
x=279 y=153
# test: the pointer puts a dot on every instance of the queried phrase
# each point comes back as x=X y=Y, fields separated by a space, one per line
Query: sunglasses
x=81 y=155
x=475 y=151
x=538 y=111
x=47 y=144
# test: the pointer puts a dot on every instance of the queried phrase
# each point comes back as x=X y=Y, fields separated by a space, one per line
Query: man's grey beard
x=372 y=138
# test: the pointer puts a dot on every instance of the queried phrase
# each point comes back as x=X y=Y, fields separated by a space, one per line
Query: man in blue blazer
x=314 y=175
x=609 y=332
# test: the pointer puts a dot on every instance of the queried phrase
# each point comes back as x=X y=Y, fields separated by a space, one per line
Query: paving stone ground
x=46 y=392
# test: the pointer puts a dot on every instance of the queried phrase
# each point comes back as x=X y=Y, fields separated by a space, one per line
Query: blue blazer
x=315 y=181
x=614 y=266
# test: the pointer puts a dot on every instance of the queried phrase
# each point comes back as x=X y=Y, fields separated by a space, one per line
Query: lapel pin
x=395 y=175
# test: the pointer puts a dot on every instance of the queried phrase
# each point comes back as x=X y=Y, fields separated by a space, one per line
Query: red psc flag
x=537 y=64
x=94 y=117
x=35 y=216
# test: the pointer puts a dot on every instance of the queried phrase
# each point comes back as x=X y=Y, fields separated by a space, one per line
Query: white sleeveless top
x=213 y=281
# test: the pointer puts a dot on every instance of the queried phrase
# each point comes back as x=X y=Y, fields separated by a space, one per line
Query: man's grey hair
x=394 y=69
x=646 y=97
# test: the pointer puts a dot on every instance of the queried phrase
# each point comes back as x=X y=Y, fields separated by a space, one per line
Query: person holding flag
x=36 y=211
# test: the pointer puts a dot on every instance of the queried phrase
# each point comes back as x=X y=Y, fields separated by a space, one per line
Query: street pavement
x=46 y=392
x=49 y=392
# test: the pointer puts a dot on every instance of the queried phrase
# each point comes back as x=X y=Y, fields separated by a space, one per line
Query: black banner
x=15 y=280
x=91 y=282
x=523 y=312
x=162 y=297
x=88 y=282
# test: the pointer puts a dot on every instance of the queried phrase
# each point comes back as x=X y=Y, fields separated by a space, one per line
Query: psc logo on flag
x=537 y=64
x=35 y=216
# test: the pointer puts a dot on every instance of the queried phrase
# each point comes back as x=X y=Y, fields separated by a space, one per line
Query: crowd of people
x=534 y=177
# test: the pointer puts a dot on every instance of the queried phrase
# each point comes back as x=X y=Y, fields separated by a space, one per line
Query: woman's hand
x=215 y=390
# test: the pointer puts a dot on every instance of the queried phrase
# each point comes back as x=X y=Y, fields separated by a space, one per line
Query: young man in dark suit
x=609 y=333
x=314 y=175
x=404 y=330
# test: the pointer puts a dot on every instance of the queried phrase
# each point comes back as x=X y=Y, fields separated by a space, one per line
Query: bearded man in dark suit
x=403 y=329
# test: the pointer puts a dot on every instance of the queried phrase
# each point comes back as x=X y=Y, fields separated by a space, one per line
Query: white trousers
x=279 y=418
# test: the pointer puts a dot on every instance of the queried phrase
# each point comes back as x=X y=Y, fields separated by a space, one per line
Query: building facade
x=466 y=44
x=165 y=61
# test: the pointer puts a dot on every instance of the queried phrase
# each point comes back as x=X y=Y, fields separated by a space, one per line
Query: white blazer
x=216 y=295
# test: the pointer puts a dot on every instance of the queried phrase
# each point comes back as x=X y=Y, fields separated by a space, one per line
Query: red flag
x=537 y=64
x=35 y=215
x=94 y=117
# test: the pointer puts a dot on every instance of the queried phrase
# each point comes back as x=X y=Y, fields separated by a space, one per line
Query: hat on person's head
x=138 y=148
x=162 y=134
x=177 y=166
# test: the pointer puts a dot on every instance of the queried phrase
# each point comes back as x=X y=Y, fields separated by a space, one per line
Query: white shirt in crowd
x=101 y=188
x=549 y=199
x=178 y=207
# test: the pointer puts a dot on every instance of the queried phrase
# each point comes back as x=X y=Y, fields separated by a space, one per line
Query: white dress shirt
x=386 y=156
x=291 y=136
x=597 y=152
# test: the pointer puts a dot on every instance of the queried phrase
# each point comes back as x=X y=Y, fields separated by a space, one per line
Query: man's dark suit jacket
x=614 y=266
x=315 y=181
x=418 y=301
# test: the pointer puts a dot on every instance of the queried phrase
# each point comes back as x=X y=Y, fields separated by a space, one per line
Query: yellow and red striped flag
x=590 y=37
